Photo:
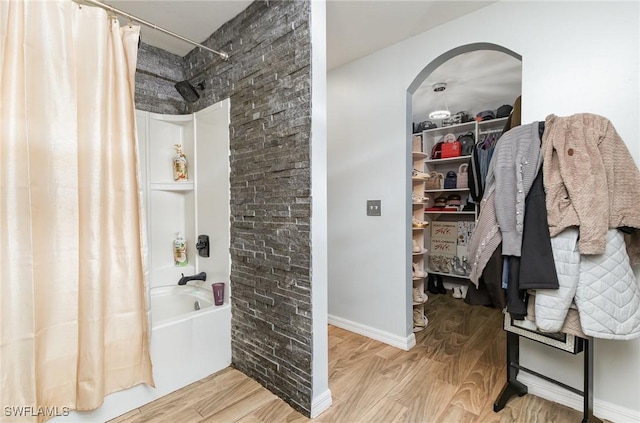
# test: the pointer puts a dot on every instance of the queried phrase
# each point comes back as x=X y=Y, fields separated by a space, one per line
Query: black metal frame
x=514 y=387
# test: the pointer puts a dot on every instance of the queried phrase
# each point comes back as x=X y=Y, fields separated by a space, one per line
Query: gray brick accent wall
x=156 y=74
x=268 y=78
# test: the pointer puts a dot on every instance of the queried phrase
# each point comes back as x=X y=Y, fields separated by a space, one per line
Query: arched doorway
x=476 y=78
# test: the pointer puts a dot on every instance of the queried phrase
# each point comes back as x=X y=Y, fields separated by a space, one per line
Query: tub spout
x=202 y=276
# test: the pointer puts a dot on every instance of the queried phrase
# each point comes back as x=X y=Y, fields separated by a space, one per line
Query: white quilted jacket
x=603 y=287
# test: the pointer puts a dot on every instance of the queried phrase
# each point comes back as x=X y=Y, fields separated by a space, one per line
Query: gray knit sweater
x=515 y=163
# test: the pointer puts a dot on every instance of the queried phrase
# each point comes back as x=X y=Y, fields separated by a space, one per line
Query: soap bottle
x=180 y=250
x=179 y=164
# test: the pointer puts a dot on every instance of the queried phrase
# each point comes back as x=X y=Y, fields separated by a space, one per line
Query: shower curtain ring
x=111 y=14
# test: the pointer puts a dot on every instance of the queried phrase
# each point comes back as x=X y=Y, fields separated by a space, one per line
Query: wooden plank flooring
x=453 y=374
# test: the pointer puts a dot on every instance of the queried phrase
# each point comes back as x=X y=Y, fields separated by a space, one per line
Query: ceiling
x=358 y=28
x=355 y=28
x=476 y=81
x=195 y=20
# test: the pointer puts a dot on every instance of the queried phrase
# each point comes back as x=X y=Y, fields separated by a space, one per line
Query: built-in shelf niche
x=188 y=207
x=164 y=133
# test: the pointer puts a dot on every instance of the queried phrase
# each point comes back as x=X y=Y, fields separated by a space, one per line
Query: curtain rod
x=222 y=54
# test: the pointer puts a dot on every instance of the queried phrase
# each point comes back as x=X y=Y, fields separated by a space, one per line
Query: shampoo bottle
x=179 y=164
x=180 y=251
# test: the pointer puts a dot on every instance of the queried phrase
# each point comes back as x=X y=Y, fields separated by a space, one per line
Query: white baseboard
x=602 y=409
x=321 y=403
x=379 y=335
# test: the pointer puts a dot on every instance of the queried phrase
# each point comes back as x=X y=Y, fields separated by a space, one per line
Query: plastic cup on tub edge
x=218 y=293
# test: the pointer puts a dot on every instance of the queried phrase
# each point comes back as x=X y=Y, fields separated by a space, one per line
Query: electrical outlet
x=374 y=207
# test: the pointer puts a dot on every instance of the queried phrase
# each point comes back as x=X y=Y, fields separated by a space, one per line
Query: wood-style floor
x=453 y=374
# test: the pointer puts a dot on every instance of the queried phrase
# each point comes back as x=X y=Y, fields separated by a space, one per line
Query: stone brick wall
x=268 y=78
x=156 y=74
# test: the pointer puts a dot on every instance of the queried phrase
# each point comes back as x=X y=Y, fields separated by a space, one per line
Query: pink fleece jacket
x=590 y=181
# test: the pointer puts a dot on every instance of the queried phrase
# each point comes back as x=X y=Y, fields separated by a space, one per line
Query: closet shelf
x=453 y=275
x=447 y=190
x=419 y=201
x=453 y=129
x=470 y=213
x=449 y=160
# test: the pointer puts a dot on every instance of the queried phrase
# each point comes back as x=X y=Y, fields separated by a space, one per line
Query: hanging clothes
x=603 y=287
x=515 y=166
x=537 y=265
x=483 y=153
x=591 y=181
x=508 y=184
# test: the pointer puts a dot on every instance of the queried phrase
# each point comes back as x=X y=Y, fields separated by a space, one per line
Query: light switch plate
x=374 y=207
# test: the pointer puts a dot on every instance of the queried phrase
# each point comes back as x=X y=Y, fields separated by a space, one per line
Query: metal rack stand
x=514 y=387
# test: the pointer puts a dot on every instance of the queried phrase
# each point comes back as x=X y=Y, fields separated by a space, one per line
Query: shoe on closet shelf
x=466 y=265
x=458 y=269
x=457 y=292
x=419 y=319
x=444 y=265
x=463 y=291
x=440 y=285
x=419 y=199
x=416 y=247
x=434 y=263
x=431 y=284
x=417 y=223
x=420 y=175
x=419 y=297
x=418 y=273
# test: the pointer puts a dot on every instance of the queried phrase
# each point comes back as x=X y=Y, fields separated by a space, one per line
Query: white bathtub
x=170 y=304
x=186 y=345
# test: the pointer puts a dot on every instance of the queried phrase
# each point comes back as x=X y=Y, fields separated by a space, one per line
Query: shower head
x=187 y=91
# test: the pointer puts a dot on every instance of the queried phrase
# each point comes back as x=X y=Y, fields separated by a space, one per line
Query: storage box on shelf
x=447 y=254
x=419 y=226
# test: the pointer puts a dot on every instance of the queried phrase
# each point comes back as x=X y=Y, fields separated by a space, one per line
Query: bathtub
x=186 y=345
x=171 y=304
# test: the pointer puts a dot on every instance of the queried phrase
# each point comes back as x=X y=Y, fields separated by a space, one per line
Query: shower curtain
x=73 y=322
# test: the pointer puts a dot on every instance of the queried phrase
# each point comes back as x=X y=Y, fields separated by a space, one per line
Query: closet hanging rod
x=490 y=131
x=112 y=9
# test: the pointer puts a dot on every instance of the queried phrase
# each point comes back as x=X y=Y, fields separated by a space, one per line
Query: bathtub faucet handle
x=202 y=276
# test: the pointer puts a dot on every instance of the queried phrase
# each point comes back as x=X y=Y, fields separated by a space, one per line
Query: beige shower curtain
x=73 y=323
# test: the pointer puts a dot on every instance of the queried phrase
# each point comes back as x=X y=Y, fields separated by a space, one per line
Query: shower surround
x=268 y=78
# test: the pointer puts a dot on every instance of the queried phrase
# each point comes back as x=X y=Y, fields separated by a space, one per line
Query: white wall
x=213 y=196
x=577 y=57
x=321 y=395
